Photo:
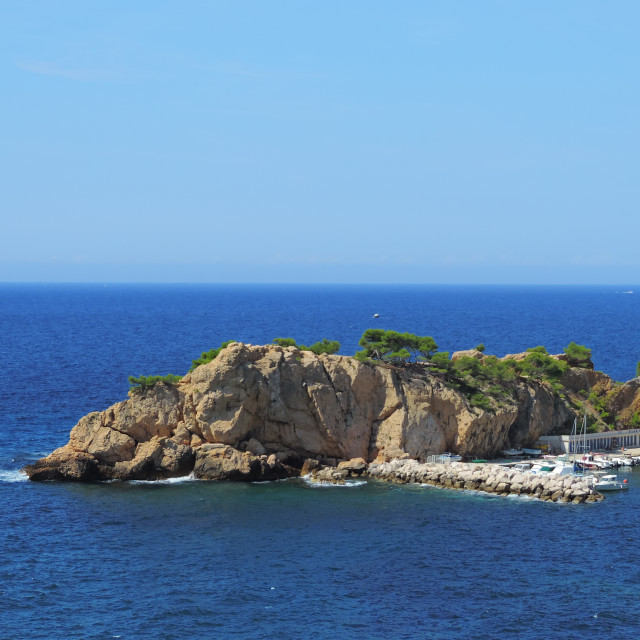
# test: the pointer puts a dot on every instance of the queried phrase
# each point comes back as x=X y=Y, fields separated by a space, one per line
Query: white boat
x=512 y=453
x=609 y=483
x=555 y=468
x=604 y=461
x=450 y=457
x=543 y=468
x=622 y=462
x=534 y=453
x=589 y=461
x=563 y=468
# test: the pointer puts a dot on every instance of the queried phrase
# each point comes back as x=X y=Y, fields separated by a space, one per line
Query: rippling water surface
x=205 y=560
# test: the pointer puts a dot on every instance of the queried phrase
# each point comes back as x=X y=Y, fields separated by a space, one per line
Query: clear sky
x=425 y=141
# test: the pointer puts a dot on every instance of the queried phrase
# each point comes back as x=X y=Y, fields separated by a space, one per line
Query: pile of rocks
x=491 y=478
x=335 y=475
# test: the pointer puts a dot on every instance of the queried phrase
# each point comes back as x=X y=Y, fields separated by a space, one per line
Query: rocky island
x=269 y=412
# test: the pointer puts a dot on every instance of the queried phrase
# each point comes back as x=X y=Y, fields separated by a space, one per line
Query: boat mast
x=573 y=440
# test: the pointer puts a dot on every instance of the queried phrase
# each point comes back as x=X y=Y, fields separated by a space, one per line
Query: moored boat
x=609 y=483
x=512 y=453
x=622 y=461
x=589 y=461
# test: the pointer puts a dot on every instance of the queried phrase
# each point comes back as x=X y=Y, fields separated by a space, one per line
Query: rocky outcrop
x=467 y=353
x=257 y=412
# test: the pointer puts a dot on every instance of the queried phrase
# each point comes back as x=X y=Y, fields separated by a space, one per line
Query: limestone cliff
x=257 y=412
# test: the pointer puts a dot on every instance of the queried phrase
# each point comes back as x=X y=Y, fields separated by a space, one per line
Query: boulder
x=467 y=353
x=227 y=463
x=330 y=475
x=64 y=464
x=255 y=447
x=309 y=466
x=353 y=467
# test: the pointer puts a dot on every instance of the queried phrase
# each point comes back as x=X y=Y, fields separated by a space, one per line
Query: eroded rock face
x=221 y=462
x=258 y=412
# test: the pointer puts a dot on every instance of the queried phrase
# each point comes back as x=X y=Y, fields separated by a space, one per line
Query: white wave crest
x=348 y=484
x=13 y=475
x=190 y=478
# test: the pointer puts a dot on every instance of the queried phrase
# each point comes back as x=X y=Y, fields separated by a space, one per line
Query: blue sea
x=188 y=559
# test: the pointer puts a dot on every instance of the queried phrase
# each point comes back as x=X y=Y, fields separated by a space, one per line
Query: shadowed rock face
x=256 y=412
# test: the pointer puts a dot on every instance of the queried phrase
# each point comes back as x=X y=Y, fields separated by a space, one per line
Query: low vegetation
x=324 y=346
x=485 y=380
x=578 y=355
x=208 y=356
x=141 y=383
x=138 y=385
x=391 y=346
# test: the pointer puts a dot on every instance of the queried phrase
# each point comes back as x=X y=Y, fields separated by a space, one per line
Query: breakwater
x=491 y=478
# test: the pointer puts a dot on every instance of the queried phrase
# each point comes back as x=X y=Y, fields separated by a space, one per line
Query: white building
x=609 y=441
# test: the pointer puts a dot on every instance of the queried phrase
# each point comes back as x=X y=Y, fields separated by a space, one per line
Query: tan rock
x=518 y=357
x=226 y=463
x=330 y=475
x=64 y=464
x=255 y=447
x=310 y=465
x=181 y=434
x=354 y=467
x=467 y=353
x=95 y=436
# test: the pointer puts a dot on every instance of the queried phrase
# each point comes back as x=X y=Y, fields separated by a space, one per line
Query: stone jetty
x=491 y=478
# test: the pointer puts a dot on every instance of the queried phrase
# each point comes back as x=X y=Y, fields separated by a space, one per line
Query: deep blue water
x=204 y=560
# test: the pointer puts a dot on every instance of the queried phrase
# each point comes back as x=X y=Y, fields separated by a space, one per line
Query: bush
x=495 y=390
x=542 y=366
x=285 y=342
x=208 y=356
x=481 y=401
x=578 y=355
x=441 y=362
x=468 y=366
x=324 y=346
x=506 y=370
x=392 y=346
x=538 y=350
x=146 y=382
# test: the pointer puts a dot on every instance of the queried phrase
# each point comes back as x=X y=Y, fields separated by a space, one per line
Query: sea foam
x=349 y=484
x=190 y=478
x=13 y=475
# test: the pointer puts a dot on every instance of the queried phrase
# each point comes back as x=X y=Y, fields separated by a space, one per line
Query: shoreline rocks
x=219 y=462
x=489 y=478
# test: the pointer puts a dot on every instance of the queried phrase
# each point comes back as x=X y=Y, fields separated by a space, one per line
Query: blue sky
x=422 y=141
